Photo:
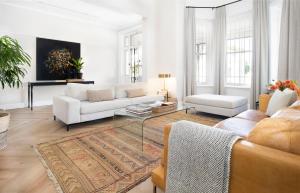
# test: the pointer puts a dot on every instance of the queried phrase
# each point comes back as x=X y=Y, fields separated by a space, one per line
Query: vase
x=79 y=75
x=4 y=122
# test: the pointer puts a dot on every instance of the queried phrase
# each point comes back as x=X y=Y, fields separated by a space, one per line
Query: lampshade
x=164 y=75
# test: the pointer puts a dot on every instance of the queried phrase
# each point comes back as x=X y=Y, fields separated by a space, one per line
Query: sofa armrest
x=263 y=102
x=256 y=168
x=66 y=109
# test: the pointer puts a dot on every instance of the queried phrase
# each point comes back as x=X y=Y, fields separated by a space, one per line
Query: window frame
x=243 y=35
x=133 y=53
x=202 y=54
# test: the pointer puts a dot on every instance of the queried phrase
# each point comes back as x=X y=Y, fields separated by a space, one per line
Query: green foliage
x=78 y=64
x=13 y=60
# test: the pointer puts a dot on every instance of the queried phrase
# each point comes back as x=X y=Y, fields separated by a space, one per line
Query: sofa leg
x=68 y=127
x=54 y=117
x=154 y=189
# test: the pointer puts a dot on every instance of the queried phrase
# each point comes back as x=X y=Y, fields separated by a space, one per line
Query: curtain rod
x=214 y=7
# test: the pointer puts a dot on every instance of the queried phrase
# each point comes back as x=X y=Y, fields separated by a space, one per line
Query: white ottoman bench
x=217 y=104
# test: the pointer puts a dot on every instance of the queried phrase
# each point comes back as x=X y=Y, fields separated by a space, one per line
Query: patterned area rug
x=109 y=160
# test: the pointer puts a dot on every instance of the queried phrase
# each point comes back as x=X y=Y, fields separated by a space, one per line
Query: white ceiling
x=98 y=12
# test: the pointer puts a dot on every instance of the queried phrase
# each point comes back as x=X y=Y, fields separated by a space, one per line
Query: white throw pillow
x=120 y=90
x=294 y=95
x=279 y=100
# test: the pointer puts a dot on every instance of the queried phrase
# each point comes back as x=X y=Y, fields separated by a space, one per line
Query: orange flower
x=273 y=87
x=278 y=83
x=292 y=86
x=287 y=82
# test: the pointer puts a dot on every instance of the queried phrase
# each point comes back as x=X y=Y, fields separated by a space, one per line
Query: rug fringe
x=49 y=172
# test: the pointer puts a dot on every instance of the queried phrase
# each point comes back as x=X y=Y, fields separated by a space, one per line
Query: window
x=133 y=57
x=203 y=52
x=201 y=63
x=238 y=51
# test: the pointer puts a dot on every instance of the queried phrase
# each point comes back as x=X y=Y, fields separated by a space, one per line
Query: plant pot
x=4 y=122
x=79 y=75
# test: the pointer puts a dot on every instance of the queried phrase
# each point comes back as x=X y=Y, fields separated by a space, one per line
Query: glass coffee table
x=139 y=120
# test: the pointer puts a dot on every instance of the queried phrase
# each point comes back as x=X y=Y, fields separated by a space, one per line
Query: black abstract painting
x=53 y=59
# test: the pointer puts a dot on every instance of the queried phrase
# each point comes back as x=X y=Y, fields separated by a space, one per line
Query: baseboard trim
x=24 y=105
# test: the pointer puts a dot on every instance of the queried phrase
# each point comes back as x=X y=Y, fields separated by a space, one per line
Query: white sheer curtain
x=204 y=47
x=260 y=67
x=190 y=40
x=219 y=36
x=289 y=49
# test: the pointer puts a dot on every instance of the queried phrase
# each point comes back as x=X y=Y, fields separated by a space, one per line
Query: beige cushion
x=278 y=133
x=279 y=100
x=120 y=90
x=288 y=113
x=100 y=95
x=131 y=93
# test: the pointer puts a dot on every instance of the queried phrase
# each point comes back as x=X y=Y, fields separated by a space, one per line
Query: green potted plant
x=13 y=61
x=78 y=64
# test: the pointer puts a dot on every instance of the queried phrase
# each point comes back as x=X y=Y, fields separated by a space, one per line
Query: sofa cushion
x=293 y=93
x=77 y=91
x=288 y=113
x=138 y=92
x=278 y=133
x=279 y=100
x=88 y=107
x=222 y=101
x=295 y=105
x=252 y=115
x=100 y=95
x=241 y=127
x=120 y=90
x=146 y=99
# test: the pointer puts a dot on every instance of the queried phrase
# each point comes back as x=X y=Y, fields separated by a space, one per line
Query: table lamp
x=164 y=77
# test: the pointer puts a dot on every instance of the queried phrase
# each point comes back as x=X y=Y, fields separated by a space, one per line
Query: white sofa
x=74 y=107
x=224 y=105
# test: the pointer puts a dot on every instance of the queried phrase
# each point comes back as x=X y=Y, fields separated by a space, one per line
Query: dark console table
x=48 y=83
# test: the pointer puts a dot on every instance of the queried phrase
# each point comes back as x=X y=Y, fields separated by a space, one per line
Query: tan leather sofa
x=271 y=168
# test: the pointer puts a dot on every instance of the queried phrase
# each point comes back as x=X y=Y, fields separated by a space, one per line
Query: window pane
x=239 y=51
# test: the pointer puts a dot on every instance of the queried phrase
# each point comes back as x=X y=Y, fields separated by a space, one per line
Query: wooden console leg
x=54 y=117
x=154 y=189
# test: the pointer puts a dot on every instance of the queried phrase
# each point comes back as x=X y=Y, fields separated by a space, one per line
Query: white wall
x=98 y=50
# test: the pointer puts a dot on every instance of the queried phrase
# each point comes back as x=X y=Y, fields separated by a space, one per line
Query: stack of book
x=140 y=109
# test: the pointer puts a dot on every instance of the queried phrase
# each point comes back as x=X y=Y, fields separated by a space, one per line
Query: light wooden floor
x=20 y=169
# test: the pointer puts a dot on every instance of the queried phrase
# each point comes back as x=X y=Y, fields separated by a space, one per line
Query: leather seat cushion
x=241 y=127
x=252 y=115
x=88 y=107
x=278 y=133
x=222 y=101
x=157 y=177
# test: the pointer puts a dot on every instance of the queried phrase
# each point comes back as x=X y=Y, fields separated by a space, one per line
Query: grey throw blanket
x=199 y=158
